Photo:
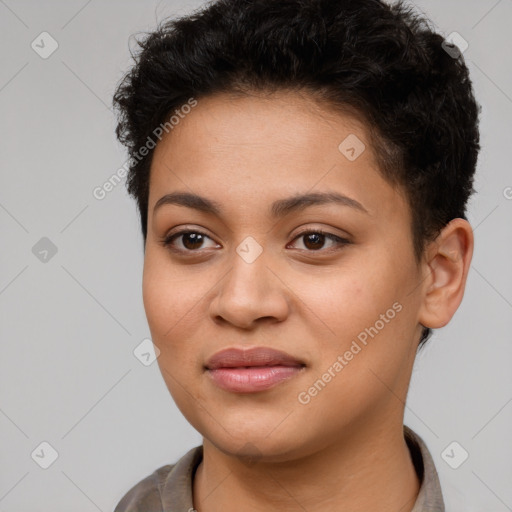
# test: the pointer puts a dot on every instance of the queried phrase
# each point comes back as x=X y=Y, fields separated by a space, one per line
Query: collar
x=430 y=497
x=174 y=482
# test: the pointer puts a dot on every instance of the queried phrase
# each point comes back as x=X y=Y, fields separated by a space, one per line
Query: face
x=330 y=281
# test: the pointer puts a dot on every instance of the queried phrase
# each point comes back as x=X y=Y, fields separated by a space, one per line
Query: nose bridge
x=249 y=272
x=250 y=290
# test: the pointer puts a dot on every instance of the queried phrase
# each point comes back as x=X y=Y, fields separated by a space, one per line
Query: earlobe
x=447 y=265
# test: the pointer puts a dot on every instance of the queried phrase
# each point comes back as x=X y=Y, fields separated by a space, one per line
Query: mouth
x=252 y=370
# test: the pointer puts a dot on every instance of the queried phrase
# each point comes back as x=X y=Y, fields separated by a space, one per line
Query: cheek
x=159 y=298
x=166 y=304
x=174 y=302
x=167 y=293
x=166 y=309
x=350 y=300
x=367 y=311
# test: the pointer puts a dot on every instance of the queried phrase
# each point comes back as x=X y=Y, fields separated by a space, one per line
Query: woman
x=301 y=170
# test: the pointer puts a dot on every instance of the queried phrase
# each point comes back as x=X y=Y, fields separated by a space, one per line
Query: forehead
x=255 y=148
x=286 y=123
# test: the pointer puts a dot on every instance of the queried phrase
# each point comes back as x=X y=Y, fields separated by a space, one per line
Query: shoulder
x=145 y=495
x=168 y=487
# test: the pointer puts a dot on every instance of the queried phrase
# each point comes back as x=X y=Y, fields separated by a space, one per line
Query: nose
x=250 y=293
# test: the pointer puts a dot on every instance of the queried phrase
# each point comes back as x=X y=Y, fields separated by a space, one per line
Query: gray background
x=70 y=324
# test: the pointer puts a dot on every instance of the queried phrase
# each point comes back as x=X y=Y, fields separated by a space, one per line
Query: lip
x=251 y=370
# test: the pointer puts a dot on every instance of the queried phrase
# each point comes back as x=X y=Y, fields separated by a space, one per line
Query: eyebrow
x=279 y=208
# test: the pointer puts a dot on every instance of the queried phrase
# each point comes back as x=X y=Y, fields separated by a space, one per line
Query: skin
x=267 y=450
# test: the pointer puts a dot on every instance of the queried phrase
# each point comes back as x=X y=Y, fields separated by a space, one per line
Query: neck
x=368 y=469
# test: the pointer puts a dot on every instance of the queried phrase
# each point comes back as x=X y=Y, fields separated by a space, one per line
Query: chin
x=254 y=444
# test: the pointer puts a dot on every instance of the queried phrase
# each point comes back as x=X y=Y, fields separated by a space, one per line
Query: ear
x=447 y=263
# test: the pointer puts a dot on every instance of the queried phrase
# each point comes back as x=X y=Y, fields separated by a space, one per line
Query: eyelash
x=341 y=242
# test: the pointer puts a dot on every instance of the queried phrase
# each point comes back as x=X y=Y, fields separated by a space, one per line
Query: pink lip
x=251 y=370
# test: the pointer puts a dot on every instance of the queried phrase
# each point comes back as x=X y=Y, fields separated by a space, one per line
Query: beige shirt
x=169 y=488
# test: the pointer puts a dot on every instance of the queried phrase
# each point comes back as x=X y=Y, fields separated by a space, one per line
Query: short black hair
x=385 y=63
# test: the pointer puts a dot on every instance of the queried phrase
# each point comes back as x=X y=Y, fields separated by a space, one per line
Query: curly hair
x=384 y=63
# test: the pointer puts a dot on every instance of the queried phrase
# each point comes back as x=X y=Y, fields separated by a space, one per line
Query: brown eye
x=190 y=240
x=314 y=240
